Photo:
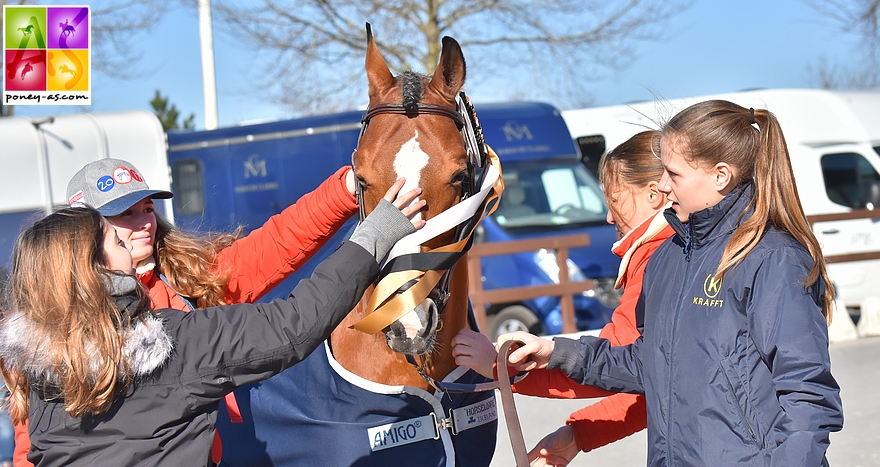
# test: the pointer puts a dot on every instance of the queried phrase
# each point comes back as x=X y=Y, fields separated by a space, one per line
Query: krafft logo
x=711 y=286
x=711 y=289
x=46 y=55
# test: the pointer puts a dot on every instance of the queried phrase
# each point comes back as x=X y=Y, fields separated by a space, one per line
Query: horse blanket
x=319 y=413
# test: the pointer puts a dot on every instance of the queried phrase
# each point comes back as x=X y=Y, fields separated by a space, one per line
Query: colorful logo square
x=46 y=55
x=68 y=70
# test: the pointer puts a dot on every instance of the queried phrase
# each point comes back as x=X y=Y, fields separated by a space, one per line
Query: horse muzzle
x=414 y=333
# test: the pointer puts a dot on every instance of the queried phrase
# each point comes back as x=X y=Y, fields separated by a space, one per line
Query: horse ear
x=378 y=75
x=450 y=73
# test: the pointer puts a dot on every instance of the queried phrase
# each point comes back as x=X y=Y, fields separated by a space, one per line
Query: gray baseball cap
x=111 y=186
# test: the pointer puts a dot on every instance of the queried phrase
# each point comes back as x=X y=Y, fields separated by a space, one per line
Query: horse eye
x=458 y=178
x=362 y=183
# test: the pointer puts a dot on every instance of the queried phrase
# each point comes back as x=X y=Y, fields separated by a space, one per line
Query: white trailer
x=834 y=141
x=40 y=155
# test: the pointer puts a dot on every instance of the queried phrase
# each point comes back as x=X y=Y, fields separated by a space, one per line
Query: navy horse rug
x=319 y=413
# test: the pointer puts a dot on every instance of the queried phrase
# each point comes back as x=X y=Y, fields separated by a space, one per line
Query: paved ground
x=855 y=364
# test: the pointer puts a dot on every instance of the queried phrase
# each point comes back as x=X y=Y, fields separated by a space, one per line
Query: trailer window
x=850 y=180
x=189 y=190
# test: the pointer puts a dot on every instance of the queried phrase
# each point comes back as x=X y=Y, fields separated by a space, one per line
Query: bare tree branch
x=318 y=45
x=860 y=17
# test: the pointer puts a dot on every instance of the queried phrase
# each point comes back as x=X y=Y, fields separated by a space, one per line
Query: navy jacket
x=736 y=371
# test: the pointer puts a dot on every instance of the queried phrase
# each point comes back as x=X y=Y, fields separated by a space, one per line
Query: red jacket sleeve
x=22 y=446
x=608 y=420
x=620 y=331
x=264 y=258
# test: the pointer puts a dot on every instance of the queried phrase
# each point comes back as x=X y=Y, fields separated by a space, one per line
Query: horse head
x=414 y=128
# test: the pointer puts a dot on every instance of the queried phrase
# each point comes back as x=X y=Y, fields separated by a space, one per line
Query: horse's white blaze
x=408 y=163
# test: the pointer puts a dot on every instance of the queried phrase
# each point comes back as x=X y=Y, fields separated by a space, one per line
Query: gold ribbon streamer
x=380 y=317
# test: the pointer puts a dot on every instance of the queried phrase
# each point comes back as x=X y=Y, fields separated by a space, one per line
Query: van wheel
x=510 y=319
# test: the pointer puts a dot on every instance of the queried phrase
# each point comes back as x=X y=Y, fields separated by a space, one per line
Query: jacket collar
x=721 y=219
x=146 y=344
x=626 y=246
x=146 y=266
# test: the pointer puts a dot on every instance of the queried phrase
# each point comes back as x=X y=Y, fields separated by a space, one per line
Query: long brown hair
x=751 y=141
x=189 y=262
x=634 y=163
x=59 y=284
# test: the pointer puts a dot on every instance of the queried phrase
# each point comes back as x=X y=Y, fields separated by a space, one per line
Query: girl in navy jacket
x=733 y=360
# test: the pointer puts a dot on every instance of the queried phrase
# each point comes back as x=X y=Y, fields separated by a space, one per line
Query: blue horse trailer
x=242 y=175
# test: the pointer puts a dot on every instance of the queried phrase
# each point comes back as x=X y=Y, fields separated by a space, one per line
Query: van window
x=549 y=195
x=189 y=191
x=850 y=180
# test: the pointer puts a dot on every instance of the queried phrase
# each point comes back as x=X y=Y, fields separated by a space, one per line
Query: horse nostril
x=414 y=332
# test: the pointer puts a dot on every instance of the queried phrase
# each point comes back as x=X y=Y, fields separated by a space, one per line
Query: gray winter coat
x=736 y=371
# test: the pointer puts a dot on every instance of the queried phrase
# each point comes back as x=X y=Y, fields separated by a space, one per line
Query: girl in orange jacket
x=629 y=176
x=185 y=271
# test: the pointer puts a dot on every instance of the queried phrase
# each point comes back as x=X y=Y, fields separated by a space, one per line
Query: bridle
x=465 y=118
x=408 y=279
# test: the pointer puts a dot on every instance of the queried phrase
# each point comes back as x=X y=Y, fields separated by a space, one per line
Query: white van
x=834 y=142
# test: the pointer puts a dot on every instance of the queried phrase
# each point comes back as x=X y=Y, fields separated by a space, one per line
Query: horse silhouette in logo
x=66 y=29
x=64 y=69
x=27 y=30
x=27 y=68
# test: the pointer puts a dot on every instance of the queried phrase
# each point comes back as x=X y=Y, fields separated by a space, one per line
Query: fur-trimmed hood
x=147 y=346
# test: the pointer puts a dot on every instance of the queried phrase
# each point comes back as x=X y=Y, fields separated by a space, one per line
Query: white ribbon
x=446 y=220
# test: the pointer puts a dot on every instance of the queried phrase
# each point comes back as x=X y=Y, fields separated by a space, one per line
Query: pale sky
x=716 y=46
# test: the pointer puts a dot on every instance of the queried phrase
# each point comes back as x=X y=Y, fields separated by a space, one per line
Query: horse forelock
x=411 y=89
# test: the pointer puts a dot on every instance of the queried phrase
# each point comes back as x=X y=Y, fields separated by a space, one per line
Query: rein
x=503 y=385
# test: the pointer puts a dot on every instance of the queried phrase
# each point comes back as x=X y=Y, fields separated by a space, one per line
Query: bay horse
x=384 y=390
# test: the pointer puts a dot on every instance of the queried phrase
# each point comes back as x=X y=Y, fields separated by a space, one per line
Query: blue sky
x=715 y=46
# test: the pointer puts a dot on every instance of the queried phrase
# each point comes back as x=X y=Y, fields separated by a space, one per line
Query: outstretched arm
x=264 y=258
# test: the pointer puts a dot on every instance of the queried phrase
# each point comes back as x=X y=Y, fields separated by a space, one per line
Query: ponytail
x=752 y=141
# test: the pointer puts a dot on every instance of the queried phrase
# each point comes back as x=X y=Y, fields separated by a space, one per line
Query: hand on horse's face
x=474 y=350
x=403 y=201
x=535 y=354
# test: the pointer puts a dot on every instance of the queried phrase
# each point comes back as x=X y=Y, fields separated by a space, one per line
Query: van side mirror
x=874 y=195
x=591 y=147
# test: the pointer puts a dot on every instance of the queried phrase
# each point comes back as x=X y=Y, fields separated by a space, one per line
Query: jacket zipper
x=688 y=246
